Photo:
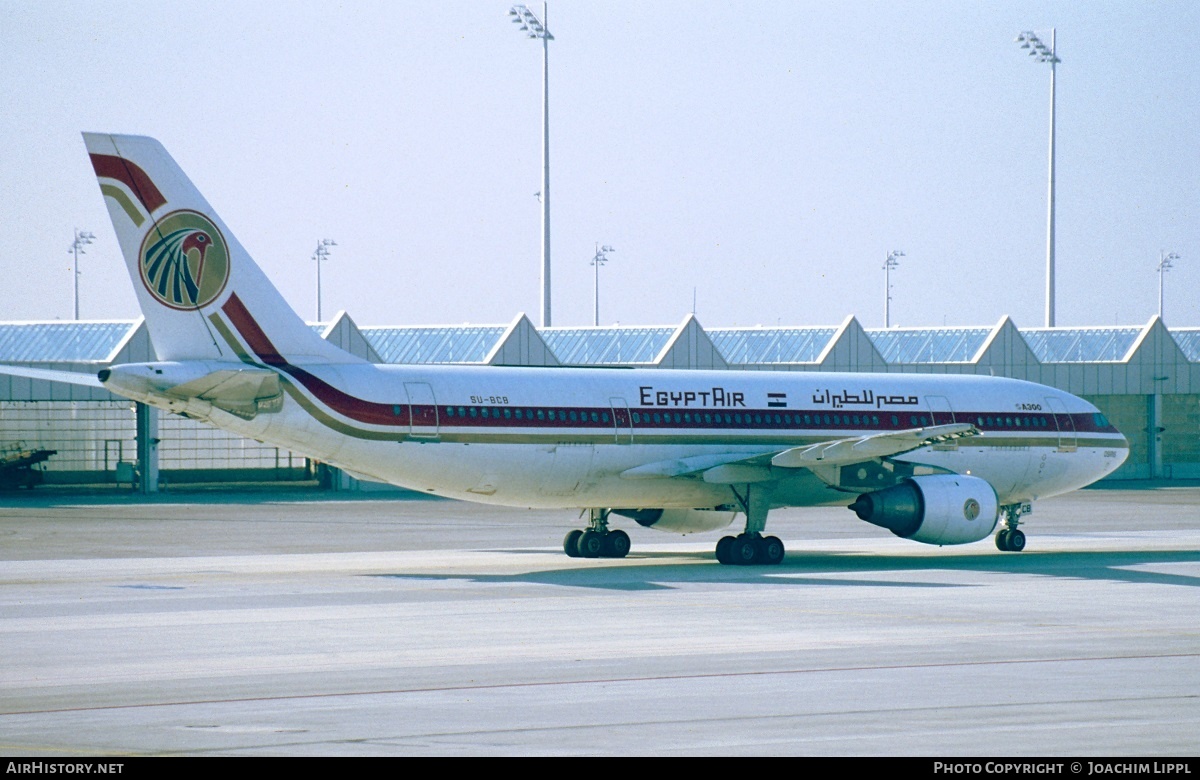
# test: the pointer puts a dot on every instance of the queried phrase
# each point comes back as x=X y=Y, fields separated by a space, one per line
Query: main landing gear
x=597 y=541
x=1010 y=538
x=750 y=547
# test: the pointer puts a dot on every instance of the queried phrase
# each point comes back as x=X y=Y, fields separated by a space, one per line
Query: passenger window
x=573 y=416
x=603 y=417
x=508 y=414
x=474 y=412
x=449 y=410
x=541 y=414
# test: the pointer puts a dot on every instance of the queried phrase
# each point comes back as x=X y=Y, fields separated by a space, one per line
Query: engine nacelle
x=936 y=509
x=679 y=521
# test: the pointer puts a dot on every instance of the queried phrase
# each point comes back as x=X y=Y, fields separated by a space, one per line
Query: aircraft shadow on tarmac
x=814 y=568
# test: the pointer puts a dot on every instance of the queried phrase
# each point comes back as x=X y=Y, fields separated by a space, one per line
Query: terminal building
x=1145 y=379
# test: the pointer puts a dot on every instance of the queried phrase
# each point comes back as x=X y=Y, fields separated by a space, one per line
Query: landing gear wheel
x=1002 y=540
x=591 y=544
x=744 y=550
x=1016 y=540
x=616 y=544
x=571 y=543
x=771 y=550
x=723 y=550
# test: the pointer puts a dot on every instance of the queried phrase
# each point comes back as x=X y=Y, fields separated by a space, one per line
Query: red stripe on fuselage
x=373 y=413
x=368 y=412
x=131 y=176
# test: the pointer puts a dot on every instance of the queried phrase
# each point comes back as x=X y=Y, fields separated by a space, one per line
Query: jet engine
x=679 y=521
x=936 y=509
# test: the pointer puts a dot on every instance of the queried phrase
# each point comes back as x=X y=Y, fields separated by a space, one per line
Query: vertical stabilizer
x=202 y=295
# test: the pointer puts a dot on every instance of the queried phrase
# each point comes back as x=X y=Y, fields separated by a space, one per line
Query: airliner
x=932 y=458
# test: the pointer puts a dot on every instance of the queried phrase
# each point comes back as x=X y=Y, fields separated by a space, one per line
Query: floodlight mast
x=537 y=29
x=82 y=239
x=1165 y=263
x=321 y=253
x=1042 y=53
x=892 y=261
x=599 y=259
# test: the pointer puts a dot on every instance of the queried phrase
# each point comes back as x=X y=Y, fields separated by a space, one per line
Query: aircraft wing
x=841 y=452
x=740 y=468
x=68 y=377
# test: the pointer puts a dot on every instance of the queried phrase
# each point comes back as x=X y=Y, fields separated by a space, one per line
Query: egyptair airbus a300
x=935 y=459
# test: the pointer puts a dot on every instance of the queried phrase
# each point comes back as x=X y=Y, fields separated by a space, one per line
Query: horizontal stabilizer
x=66 y=377
x=234 y=385
x=243 y=391
x=879 y=445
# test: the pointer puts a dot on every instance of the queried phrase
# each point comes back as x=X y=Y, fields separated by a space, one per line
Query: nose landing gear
x=1010 y=538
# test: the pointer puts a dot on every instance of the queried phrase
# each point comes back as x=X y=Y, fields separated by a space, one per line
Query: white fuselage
x=550 y=437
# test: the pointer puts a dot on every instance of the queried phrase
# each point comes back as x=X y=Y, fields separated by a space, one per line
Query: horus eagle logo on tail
x=184 y=260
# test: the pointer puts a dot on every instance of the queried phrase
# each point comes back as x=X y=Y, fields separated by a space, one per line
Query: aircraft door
x=422 y=410
x=1066 y=426
x=622 y=421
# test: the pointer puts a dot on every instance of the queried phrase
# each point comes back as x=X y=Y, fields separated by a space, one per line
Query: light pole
x=320 y=254
x=599 y=259
x=534 y=27
x=1164 y=264
x=892 y=261
x=82 y=239
x=1039 y=51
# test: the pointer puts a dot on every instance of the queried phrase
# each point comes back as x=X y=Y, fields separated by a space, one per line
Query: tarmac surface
x=299 y=623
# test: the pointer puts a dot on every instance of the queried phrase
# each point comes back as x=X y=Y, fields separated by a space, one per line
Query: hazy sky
x=767 y=154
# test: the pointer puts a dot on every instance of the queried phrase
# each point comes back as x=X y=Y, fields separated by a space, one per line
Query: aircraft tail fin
x=203 y=296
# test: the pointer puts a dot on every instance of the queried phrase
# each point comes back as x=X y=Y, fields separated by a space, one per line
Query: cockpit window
x=1100 y=420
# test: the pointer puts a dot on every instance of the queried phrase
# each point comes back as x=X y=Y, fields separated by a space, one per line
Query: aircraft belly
x=547 y=477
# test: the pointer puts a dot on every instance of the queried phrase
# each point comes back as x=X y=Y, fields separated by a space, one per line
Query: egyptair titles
x=713 y=397
x=724 y=398
x=862 y=398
